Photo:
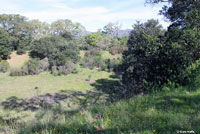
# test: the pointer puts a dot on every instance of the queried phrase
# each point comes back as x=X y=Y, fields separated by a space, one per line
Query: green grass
x=162 y=112
x=23 y=87
x=77 y=88
x=83 y=109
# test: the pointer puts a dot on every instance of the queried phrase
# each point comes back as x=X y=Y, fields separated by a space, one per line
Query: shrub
x=44 y=65
x=191 y=73
x=91 y=39
x=32 y=66
x=18 y=72
x=123 y=40
x=91 y=62
x=57 y=49
x=88 y=62
x=71 y=67
x=68 y=68
x=4 y=66
x=62 y=70
x=99 y=63
x=54 y=70
x=21 y=51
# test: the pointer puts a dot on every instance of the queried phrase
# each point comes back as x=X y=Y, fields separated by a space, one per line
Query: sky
x=93 y=14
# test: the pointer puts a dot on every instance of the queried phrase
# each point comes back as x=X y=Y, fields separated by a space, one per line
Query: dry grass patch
x=17 y=61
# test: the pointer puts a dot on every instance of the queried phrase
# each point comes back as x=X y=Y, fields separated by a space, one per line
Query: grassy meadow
x=24 y=87
x=86 y=103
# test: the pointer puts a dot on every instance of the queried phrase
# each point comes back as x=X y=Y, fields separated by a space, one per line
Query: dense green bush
x=91 y=39
x=123 y=40
x=101 y=64
x=144 y=62
x=57 y=49
x=5 y=47
x=94 y=61
x=71 y=67
x=21 y=51
x=4 y=66
x=93 y=58
x=32 y=66
x=155 y=59
x=191 y=73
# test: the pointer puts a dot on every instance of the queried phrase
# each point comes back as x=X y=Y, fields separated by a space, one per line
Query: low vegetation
x=168 y=111
x=4 y=66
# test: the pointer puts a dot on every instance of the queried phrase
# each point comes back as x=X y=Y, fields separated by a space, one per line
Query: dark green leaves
x=5 y=48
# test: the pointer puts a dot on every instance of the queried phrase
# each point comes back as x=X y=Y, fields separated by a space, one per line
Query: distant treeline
x=17 y=33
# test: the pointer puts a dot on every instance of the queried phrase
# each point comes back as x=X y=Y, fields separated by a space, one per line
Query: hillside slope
x=170 y=111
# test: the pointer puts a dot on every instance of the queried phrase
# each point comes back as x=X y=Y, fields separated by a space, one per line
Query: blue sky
x=93 y=14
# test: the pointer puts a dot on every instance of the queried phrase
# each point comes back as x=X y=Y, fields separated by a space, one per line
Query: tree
x=10 y=21
x=5 y=47
x=19 y=30
x=104 y=41
x=57 y=49
x=61 y=27
x=91 y=39
x=181 y=12
x=183 y=33
x=81 y=43
x=39 y=29
x=24 y=37
x=112 y=29
x=141 y=62
x=123 y=40
x=155 y=59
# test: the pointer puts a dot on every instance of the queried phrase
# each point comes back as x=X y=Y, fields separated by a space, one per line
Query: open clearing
x=16 y=61
x=21 y=97
x=24 y=86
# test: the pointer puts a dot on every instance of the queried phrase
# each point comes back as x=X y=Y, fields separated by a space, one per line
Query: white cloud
x=91 y=17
